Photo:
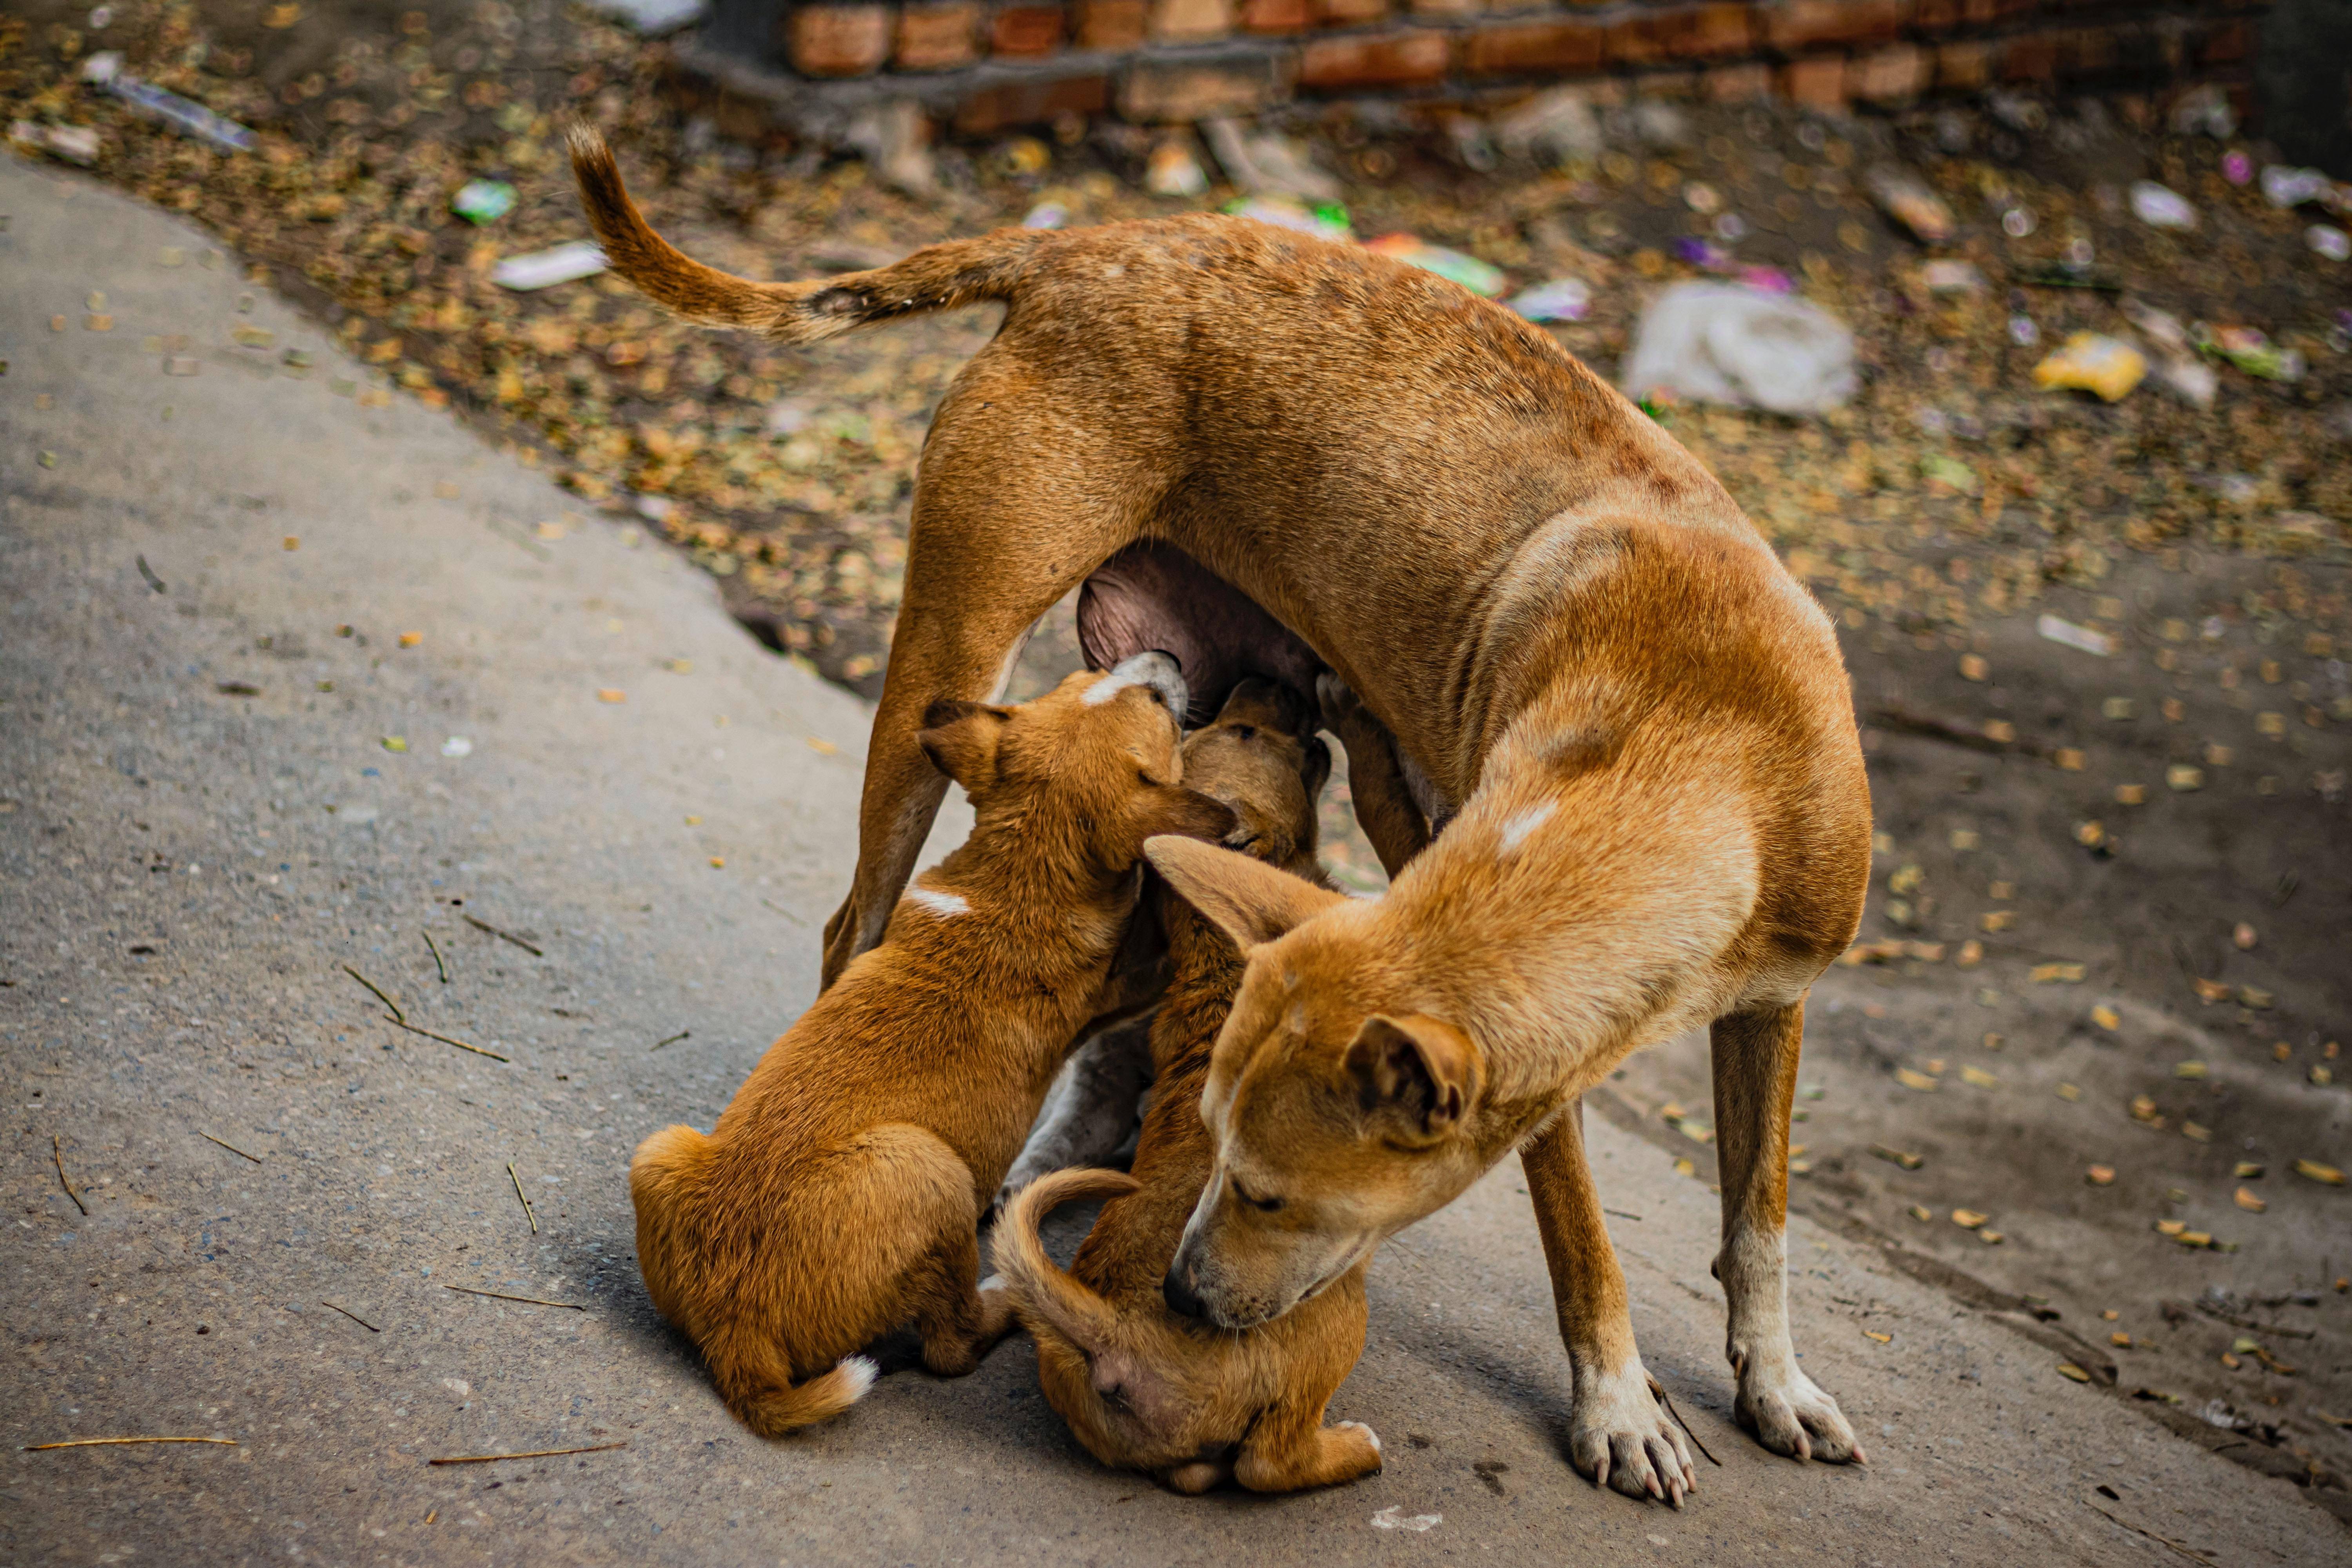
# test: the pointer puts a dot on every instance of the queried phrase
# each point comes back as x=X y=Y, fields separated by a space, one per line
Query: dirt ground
x=2092 y=1029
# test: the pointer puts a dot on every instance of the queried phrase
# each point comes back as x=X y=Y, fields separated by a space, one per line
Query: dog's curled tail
x=1041 y=1291
x=938 y=278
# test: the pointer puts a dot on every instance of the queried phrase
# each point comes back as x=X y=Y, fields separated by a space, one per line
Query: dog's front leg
x=1618 y=1433
x=1755 y=1056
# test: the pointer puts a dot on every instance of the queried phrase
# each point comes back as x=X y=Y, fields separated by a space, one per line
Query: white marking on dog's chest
x=947 y=906
x=1516 y=828
x=1108 y=687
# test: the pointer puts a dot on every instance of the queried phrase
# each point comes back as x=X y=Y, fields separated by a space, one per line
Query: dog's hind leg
x=1755 y=1056
x=1618 y=1434
x=1092 y=1107
x=1013 y=508
x=910 y=1184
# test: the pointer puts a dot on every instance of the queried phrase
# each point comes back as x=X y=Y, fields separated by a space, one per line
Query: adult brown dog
x=840 y=1196
x=1577 y=640
x=1143 y=1388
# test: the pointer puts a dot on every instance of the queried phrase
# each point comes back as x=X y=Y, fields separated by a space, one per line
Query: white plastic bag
x=1719 y=342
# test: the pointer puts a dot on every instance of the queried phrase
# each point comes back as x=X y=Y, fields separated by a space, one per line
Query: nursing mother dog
x=1631 y=726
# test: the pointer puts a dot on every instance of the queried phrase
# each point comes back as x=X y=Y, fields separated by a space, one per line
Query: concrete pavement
x=202 y=821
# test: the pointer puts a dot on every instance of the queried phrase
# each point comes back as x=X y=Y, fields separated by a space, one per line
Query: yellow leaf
x=611 y=694
x=2249 y=1202
x=410 y=639
x=2067 y=1369
x=2188 y=1069
x=823 y=748
x=2319 y=1172
x=1978 y=1076
x=2107 y=1017
x=1874 y=1334
x=1910 y=1079
x=1968 y=1219
x=395 y=743
x=2101 y=1175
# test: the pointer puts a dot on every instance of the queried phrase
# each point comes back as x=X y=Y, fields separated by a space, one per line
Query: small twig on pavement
x=112 y=1441
x=1659 y=1389
x=502 y=1296
x=504 y=936
x=404 y=1024
x=354 y=1317
x=534 y=1454
x=435 y=948
x=682 y=1034
x=1620 y=1213
x=58 y=1154
x=397 y=1016
x=528 y=1212
x=784 y=912
x=2235 y=1321
x=149 y=573
x=227 y=1145
x=2189 y=1552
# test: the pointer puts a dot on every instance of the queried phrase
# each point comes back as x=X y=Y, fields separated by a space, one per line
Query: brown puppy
x=1631 y=727
x=1143 y=1388
x=840 y=1195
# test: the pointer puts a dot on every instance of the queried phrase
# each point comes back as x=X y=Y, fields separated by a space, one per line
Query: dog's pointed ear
x=1417 y=1075
x=1173 y=810
x=961 y=739
x=1249 y=901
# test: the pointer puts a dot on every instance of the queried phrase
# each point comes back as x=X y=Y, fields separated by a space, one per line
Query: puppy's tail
x=938 y=278
x=758 y=1388
x=1041 y=1291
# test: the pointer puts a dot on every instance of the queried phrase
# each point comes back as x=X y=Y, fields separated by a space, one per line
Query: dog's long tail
x=759 y=1387
x=938 y=278
x=1040 y=1289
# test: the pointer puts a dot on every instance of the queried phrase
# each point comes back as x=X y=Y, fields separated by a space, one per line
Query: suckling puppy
x=839 y=1196
x=1143 y=1388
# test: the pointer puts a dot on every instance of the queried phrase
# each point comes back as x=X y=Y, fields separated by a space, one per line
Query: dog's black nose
x=1181 y=1299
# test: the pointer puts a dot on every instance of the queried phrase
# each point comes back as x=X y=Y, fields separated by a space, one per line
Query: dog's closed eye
x=1264 y=1206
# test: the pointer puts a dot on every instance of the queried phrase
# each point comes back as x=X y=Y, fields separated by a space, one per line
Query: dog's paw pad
x=1791 y=1415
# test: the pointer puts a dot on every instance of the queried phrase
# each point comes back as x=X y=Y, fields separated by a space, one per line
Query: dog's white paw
x=1369 y=1435
x=1621 y=1436
x=1789 y=1414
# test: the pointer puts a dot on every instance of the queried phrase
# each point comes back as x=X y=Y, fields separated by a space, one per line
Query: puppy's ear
x=1415 y=1075
x=1250 y=901
x=961 y=739
x=1183 y=813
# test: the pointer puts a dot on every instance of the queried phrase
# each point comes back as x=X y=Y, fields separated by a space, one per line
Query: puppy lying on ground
x=839 y=1196
x=1143 y=1388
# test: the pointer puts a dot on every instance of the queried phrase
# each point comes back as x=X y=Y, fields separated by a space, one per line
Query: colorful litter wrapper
x=546 y=269
x=1324 y=220
x=1557 y=300
x=2091 y=362
x=1478 y=276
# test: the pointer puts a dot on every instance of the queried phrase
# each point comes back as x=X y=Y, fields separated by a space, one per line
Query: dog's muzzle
x=1178 y=1292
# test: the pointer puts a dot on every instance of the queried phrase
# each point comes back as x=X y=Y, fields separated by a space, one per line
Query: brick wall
x=988 y=64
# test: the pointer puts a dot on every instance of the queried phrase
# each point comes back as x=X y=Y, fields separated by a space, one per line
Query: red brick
x=1963 y=66
x=840 y=40
x=1032 y=103
x=1740 y=84
x=1187 y=21
x=1951 y=16
x=1800 y=24
x=1717 y=32
x=1170 y=91
x=1816 y=83
x=937 y=38
x=2030 y=56
x=2014 y=10
x=2225 y=44
x=1692 y=33
x=1381 y=60
x=1563 y=46
x=1349 y=13
x=1115 y=24
x=1024 y=32
x=1442 y=10
x=2086 y=52
x=1897 y=74
x=1276 y=15
x=1637 y=40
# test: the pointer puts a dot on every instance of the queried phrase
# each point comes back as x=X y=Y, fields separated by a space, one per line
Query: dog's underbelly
x=1152 y=595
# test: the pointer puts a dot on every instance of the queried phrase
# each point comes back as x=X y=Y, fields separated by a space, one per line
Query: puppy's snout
x=1161 y=672
x=1181 y=1297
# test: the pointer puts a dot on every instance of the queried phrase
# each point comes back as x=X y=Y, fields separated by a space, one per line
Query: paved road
x=203 y=822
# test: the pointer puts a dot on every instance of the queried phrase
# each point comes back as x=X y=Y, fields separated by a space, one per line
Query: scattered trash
x=2092 y=362
x=1473 y=274
x=456 y=746
x=483 y=201
x=546 y=269
x=1719 y=342
x=2329 y=241
x=2237 y=168
x=1326 y=220
x=1172 y=171
x=2176 y=363
x=2252 y=350
x=184 y=115
x=2284 y=186
x=74 y=143
x=2082 y=638
x=2204 y=110
x=1905 y=198
x=1552 y=127
x=1268 y=164
x=1047 y=215
x=1946 y=276
x=2160 y=206
x=1556 y=299
x=1394 y=1517
x=651 y=17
